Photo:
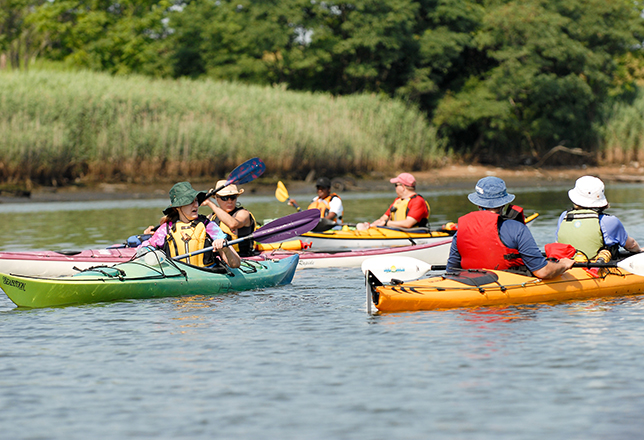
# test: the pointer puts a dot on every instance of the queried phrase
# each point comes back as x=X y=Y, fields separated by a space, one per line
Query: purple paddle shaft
x=288 y=227
x=281 y=229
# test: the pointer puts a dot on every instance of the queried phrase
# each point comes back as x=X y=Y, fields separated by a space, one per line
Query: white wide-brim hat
x=230 y=190
x=588 y=193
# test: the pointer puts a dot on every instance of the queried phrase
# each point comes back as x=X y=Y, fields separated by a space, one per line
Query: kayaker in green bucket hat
x=183 y=194
x=183 y=230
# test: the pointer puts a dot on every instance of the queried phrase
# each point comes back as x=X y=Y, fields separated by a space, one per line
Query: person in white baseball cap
x=588 y=228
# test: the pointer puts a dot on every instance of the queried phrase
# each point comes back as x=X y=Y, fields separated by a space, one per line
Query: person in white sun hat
x=588 y=228
x=235 y=220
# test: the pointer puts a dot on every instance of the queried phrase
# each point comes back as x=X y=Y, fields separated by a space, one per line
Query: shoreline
x=448 y=177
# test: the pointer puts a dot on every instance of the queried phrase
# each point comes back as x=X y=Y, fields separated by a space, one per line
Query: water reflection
x=81 y=225
x=489 y=315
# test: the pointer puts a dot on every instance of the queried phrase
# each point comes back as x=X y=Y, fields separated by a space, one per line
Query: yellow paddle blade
x=531 y=217
x=281 y=193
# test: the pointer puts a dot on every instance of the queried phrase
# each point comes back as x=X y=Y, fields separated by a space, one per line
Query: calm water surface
x=305 y=361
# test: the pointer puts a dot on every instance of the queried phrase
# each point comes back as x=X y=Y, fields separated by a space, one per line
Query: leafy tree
x=232 y=40
x=497 y=78
x=19 y=41
x=119 y=37
x=552 y=65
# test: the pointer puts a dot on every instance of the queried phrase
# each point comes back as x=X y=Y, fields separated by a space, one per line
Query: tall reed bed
x=623 y=132
x=62 y=126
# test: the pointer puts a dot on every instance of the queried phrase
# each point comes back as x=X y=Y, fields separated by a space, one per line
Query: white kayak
x=50 y=263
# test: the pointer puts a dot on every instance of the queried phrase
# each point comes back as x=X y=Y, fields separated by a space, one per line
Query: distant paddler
x=329 y=204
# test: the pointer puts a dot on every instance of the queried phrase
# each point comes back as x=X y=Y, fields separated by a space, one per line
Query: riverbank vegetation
x=62 y=126
x=335 y=87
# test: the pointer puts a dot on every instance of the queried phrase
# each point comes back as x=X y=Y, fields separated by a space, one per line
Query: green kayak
x=150 y=276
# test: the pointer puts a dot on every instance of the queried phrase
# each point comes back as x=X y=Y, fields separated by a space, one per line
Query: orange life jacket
x=324 y=206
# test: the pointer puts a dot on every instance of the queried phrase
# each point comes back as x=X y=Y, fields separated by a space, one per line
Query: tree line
x=496 y=78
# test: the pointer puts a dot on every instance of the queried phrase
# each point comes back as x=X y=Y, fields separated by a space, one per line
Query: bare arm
x=228 y=254
x=554 y=268
x=632 y=245
x=381 y=221
x=239 y=220
x=409 y=222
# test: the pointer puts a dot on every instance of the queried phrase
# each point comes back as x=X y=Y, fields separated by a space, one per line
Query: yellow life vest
x=400 y=209
x=183 y=238
x=324 y=205
x=244 y=248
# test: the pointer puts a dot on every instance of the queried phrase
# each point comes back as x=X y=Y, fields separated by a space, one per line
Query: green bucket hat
x=182 y=194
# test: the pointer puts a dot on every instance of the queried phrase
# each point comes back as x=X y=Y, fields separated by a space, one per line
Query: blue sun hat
x=490 y=193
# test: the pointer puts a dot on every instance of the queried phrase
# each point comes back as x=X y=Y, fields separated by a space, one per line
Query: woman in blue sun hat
x=488 y=240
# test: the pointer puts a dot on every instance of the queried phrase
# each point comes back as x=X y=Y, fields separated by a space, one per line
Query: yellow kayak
x=335 y=240
x=498 y=288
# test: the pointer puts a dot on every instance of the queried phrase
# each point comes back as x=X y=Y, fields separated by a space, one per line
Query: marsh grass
x=58 y=127
x=622 y=136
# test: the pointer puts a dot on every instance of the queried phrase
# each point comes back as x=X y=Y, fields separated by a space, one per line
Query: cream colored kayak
x=50 y=263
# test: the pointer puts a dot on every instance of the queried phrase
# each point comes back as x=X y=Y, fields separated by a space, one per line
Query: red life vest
x=479 y=243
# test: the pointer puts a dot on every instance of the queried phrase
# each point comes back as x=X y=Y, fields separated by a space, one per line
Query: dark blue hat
x=490 y=193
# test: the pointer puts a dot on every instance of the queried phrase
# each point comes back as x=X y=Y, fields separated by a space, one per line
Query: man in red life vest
x=407 y=211
x=488 y=240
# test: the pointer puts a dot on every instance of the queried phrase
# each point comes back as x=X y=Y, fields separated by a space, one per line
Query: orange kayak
x=476 y=288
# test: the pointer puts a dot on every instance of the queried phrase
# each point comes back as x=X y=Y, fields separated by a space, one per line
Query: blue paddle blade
x=244 y=173
x=247 y=172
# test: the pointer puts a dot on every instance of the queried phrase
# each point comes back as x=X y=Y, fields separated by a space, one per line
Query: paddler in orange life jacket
x=182 y=230
x=329 y=204
x=235 y=220
x=407 y=211
x=486 y=239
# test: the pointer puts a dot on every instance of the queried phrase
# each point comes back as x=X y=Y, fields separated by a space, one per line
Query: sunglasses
x=226 y=198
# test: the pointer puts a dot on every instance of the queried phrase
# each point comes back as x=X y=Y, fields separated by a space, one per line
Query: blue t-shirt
x=514 y=235
x=612 y=228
